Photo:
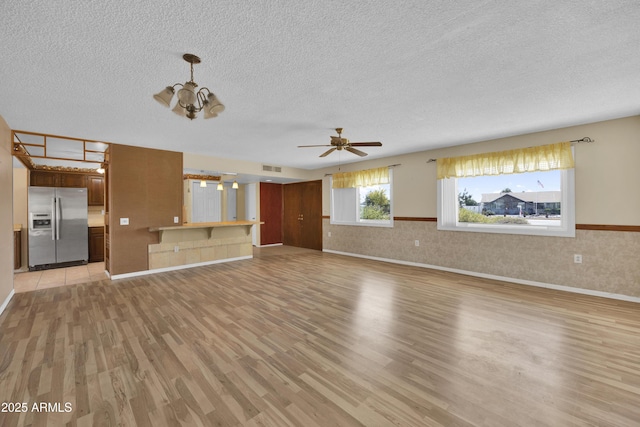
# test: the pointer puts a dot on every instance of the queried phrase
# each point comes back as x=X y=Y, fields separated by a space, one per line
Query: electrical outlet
x=329 y=234
x=176 y=249
x=417 y=242
x=577 y=259
x=176 y=219
x=124 y=221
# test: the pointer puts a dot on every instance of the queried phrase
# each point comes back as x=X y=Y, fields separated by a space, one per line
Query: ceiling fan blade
x=329 y=151
x=323 y=145
x=354 y=151
x=366 y=144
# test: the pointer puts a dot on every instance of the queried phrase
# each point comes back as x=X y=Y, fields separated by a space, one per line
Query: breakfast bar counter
x=200 y=244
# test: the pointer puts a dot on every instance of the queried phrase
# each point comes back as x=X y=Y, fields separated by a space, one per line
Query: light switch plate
x=176 y=219
x=124 y=221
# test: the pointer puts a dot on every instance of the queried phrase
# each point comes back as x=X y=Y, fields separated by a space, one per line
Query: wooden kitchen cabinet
x=17 y=249
x=95 y=190
x=74 y=180
x=58 y=179
x=96 y=244
x=44 y=179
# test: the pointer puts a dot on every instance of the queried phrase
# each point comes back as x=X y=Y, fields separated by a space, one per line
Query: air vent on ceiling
x=268 y=168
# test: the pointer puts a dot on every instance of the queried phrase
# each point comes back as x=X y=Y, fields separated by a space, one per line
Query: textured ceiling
x=413 y=74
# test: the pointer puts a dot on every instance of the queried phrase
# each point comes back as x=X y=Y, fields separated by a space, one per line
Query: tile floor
x=34 y=280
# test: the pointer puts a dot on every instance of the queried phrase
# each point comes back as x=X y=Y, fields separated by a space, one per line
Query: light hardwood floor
x=304 y=338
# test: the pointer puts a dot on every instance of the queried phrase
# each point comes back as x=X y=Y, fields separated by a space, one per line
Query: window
x=365 y=198
x=537 y=201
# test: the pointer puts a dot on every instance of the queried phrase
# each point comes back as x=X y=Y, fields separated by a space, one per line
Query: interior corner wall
x=20 y=211
x=145 y=186
x=6 y=213
x=606 y=172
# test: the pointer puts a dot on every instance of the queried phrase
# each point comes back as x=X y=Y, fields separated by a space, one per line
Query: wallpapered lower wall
x=610 y=258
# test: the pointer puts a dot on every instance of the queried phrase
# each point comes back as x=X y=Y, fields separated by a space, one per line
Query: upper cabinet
x=95 y=190
x=44 y=179
x=93 y=183
x=57 y=179
x=73 y=180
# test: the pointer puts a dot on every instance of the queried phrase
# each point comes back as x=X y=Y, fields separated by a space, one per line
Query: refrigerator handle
x=58 y=214
x=53 y=211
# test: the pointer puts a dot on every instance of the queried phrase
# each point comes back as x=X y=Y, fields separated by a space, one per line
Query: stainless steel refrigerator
x=58 y=229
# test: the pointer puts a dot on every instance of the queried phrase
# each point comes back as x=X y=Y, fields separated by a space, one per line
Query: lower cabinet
x=96 y=244
x=17 y=250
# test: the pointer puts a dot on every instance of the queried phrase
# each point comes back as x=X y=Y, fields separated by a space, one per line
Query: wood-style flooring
x=304 y=338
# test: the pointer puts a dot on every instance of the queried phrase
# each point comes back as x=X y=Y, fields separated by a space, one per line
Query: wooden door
x=291 y=227
x=303 y=214
x=311 y=208
x=270 y=213
x=95 y=190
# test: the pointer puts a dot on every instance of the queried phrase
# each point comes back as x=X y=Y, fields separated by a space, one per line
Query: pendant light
x=191 y=102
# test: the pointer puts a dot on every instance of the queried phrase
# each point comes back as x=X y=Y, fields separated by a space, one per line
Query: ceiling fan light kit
x=191 y=102
x=339 y=143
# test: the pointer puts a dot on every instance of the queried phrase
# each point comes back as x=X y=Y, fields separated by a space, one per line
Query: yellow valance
x=362 y=178
x=532 y=159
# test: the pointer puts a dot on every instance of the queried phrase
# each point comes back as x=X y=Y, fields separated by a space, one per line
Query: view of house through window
x=533 y=198
x=536 y=203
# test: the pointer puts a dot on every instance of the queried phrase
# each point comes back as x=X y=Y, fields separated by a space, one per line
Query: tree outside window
x=376 y=204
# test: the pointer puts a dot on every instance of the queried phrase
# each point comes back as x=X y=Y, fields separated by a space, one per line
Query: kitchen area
x=87 y=210
x=59 y=214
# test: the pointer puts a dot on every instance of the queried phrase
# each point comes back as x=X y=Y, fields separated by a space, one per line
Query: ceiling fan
x=340 y=143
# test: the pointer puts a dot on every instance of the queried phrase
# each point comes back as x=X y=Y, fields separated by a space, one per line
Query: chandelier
x=190 y=102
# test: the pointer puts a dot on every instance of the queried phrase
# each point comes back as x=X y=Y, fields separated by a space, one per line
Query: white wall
x=6 y=214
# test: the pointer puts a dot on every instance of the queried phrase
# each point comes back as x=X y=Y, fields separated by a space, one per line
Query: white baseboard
x=6 y=301
x=271 y=244
x=494 y=277
x=177 y=267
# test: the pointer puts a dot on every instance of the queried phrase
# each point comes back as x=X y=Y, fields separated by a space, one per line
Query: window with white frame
x=362 y=198
x=524 y=191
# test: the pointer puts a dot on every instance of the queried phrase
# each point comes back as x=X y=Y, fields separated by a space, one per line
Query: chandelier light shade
x=235 y=185
x=203 y=184
x=191 y=101
x=220 y=186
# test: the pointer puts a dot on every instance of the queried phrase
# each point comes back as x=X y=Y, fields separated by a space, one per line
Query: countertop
x=204 y=225
x=17 y=227
x=95 y=221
